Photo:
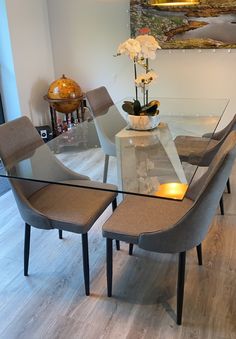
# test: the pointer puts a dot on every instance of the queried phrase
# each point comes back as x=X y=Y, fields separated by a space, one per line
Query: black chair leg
x=109 y=267
x=228 y=186
x=60 y=234
x=180 y=286
x=199 y=254
x=222 y=210
x=114 y=205
x=131 y=246
x=105 y=168
x=26 y=248
x=85 y=262
x=117 y=245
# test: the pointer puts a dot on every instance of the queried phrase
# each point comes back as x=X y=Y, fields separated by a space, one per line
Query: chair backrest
x=224 y=132
x=206 y=193
x=107 y=118
x=210 y=152
x=18 y=140
x=206 y=158
x=99 y=100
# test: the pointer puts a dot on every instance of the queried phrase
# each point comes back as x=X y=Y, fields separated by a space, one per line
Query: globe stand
x=65 y=106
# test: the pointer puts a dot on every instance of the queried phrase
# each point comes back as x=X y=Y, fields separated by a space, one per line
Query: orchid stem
x=144 y=94
x=135 y=76
x=146 y=89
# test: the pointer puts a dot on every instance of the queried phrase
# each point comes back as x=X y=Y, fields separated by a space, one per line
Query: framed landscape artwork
x=202 y=24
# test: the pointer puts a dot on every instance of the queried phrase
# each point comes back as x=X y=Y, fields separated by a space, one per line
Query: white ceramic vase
x=143 y=122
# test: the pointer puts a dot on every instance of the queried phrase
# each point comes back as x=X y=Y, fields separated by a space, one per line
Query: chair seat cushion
x=187 y=145
x=137 y=215
x=70 y=208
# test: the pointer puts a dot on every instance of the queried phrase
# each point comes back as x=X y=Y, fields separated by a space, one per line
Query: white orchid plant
x=140 y=50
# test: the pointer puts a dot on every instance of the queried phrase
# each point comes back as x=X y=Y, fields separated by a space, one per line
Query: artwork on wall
x=203 y=24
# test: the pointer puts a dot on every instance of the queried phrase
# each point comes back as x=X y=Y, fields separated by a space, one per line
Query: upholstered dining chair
x=146 y=222
x=107 y=126
x=197 y=146
x=220 y=135
x=50 y=206
x=200 y=150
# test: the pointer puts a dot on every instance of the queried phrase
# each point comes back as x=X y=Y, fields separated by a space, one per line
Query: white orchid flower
x=130 y=47
x=149 y=45
x=145 y=79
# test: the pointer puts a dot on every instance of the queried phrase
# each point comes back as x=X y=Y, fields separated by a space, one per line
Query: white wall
x=86 y=33
x=8 y=86
x=32 y=54
x=198 y=73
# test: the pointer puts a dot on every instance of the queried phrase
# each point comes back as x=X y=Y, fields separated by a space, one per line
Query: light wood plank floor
x=50 y=303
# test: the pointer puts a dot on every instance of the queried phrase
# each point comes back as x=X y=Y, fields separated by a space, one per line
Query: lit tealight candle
x=172 y=190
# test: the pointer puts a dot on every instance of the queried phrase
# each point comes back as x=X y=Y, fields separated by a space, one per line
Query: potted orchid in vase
x=142 y=114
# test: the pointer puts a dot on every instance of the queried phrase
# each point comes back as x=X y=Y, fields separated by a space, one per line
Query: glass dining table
x=147 y=163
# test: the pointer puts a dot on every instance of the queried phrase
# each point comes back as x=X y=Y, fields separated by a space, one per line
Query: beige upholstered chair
x=107 y=126
x=146 y=222
x=192 y=148
x=200 y=150
x=222 y=133
x=49 y=206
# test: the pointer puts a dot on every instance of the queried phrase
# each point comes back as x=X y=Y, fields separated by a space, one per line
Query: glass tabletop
x=151 y=163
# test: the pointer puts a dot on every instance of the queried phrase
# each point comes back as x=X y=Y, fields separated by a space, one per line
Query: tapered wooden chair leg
x=105 y=168
x=131 y=247
x=85 y=262
x=199 y=254
x=109 y=267
x=222 y=210
x=60 y=234
x=26 y=248
x=180 y=286
x=228 y=186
